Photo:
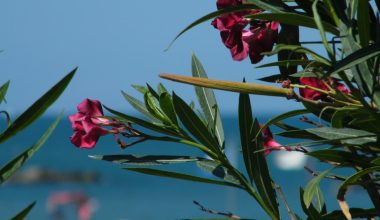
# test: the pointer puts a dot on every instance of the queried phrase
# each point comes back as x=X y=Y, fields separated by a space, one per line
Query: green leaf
x=11 y=167
x=175 y=175
x=144 y=160
x=262 y=178
x=194 y=125
x=322 y=27
x=217 y=13
x=310 y=211
x=319 y=200
x=299 y=134
x=356 y=58
x=22 y=215
x=294 y=19
x=311 y=189
x=3 y=91
x=139 y=106
x=37 y=109
x=152 y=106
x=207 y=100
x=161 y=89
x=363 y=23
x=353 y=180
x=166 y=104
x=282 y=117
x=141 y=89
x=246 y=139
x=299 y=49
x=341 y=157
x=287 y=63
x=348 y=135
x=152 y=91
x=218 y=170
x=272 y=78
x=143 y=123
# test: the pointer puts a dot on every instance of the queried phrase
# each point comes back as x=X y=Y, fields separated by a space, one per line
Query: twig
x=291 y=215
x=307 y=120
x=334 y=177
x=204 y=209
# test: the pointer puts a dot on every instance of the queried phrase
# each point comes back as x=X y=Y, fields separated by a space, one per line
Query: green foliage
x=347 y=127
x=23 y=121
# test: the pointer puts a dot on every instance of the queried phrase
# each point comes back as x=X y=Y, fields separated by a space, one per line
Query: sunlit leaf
x=138 y=105
x=144 y=160
x=3 y=91
x=207 y=100
x=311 y=189
x=194 y=125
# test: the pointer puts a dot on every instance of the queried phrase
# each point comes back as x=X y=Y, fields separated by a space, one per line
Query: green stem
x=240 y=87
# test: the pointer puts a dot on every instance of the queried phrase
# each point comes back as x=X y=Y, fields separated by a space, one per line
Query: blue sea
x=120 y=194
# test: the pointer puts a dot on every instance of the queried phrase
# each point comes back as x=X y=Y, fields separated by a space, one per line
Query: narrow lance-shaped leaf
x=142 y=123
x=348 y=135
x=245 y=126
x=194 y=125
x=299 y=49
x=166 y=104
x=3 y=91
x=363 y=22
x=10 y=168
x=282 y=117
x=146 y=159
x=312 y=189
x=254 y=5
x=352 y=180
x=175 y=175
x=207 y=100
x=138 y=105
x=218 y=170
x=355 y=58
x=294 y=19
x=22 y=215
x=310 y=210
x=322 y=28
x=341 y=157
x=262 y=178
x=38 y=108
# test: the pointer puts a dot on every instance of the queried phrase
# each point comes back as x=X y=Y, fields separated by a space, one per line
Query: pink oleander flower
x=243 y=43
x=269 y=143
x=87 y=124
x=260 y=38
x=320 y=84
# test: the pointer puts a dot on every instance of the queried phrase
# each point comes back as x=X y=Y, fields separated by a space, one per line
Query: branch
x=204 y=209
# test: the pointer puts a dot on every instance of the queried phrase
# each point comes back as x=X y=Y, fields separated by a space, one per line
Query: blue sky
x=114 y=43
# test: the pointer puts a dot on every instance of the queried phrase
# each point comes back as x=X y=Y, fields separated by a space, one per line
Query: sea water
x=122 y=194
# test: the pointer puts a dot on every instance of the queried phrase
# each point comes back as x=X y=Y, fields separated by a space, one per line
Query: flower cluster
x=315 y=82
x=242 y=42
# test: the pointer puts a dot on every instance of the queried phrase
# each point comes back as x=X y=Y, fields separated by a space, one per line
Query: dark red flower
x=259 y=38
x=228 y=3
x=87 y=124
x=320 y=84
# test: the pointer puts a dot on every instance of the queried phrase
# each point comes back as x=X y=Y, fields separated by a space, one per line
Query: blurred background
x=115 y=44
